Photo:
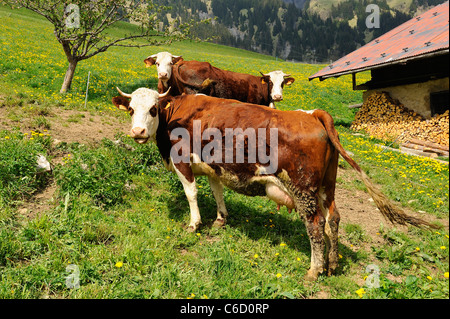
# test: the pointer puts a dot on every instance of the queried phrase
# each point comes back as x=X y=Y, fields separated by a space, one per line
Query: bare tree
x=81 y=26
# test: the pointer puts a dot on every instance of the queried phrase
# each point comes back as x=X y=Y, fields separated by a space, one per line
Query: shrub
x=103 y=173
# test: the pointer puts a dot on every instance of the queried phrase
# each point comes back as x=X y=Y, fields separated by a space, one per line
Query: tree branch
x=115 y=43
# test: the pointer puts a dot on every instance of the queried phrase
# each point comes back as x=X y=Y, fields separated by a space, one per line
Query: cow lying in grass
x=290 y=157
x=193 y=77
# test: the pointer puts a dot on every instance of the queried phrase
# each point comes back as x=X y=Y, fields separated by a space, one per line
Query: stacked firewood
x=387 y=119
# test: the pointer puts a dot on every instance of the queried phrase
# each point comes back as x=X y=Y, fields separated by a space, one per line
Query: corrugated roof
x=418 y=37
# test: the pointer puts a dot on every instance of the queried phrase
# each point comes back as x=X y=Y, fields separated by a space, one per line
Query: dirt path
x=64 y=125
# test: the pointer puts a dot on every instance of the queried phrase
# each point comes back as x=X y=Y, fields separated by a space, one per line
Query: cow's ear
x=289 y=81
x=265 y=79
x=177 y=59
x=122 y=103
x=149 y=62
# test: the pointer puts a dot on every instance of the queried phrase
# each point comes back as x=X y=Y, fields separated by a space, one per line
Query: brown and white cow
x=191 y=77
x=299 y=172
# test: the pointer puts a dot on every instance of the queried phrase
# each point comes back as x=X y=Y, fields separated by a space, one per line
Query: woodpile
x=387 y=119
x=425 y=148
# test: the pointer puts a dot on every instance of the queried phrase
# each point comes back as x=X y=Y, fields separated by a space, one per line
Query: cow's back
x=232 y=113
x=202 y=77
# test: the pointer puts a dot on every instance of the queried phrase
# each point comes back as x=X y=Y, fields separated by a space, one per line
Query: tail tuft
x=391 y=212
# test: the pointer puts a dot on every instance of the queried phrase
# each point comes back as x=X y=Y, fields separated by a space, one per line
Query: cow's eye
x=157 y=63
x=153 y=111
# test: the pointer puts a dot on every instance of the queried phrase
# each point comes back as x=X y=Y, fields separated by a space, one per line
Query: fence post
x=87 y=89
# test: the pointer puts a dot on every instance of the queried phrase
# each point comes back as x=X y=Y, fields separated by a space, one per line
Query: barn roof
x=427 y=34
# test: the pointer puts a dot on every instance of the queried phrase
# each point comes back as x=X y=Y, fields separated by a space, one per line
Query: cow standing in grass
x=193 y=77
x=196 y=137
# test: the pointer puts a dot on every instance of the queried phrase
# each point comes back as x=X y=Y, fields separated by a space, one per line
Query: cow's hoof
x=219 y=223
x=311 y=275
x=192 y=229
x=332 y=270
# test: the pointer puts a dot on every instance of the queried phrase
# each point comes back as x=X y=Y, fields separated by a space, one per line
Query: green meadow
x=119 y=218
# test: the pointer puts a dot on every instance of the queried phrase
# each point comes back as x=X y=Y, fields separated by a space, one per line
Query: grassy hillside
x=322 y=7
x=116 y=215
x=38 y=64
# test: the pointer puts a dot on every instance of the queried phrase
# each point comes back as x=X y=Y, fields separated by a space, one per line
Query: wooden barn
x=410 y=63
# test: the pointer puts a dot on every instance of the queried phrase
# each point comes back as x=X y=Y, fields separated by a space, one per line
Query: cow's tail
x=390 y=211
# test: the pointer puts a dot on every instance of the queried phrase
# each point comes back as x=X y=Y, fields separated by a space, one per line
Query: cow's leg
x=331 y=214
x=187 y=178
x=331 y=238
x=314 y=220
x=222 y=214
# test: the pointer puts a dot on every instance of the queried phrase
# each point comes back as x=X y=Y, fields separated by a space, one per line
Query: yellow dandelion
x=360 y=292
x=119 y=264
x=446 y=275
x=279 y=275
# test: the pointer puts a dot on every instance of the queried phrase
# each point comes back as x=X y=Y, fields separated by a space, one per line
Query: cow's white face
x=278 y=79
x=145 y=119
x=143 y=107
x=164 y=62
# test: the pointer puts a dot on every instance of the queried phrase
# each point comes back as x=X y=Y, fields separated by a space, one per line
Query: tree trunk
x=69 y=76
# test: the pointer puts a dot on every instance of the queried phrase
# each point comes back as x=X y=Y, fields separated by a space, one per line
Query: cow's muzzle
x=139 y=134
x=277 y=98
x=141 y=140
x=163 y=76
